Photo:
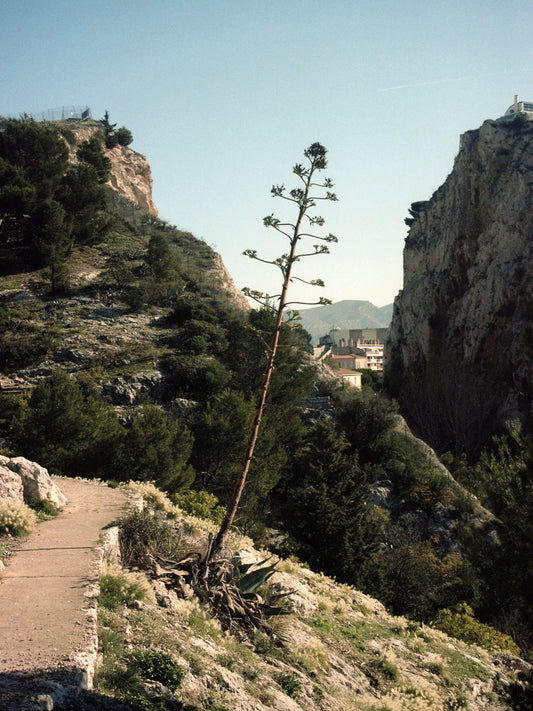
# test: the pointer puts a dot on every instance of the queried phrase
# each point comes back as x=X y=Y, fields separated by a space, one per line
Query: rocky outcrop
x=467 y=297
x=135 y=389
x=11 y=489
x=130 y=176
x=22 y=480
x=226 y=282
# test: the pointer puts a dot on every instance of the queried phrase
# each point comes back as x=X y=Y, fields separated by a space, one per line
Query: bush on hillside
x=201 y=504
x=67 y=427
x=462 y=624
x=142 y=532
x=157 y=666
x=157 y=448
x=124 y=136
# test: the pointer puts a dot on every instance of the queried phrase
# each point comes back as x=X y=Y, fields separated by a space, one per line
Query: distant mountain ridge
x=319 y=321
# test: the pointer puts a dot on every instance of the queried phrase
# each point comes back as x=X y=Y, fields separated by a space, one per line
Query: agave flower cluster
x=305 y=197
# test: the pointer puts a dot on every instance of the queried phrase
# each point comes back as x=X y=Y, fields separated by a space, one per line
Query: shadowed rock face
x=467 y=298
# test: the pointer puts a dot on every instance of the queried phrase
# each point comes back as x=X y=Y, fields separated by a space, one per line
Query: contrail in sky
x=444 y=81
x=423 y=83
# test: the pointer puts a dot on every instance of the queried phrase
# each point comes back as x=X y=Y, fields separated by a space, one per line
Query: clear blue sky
x=223 y=96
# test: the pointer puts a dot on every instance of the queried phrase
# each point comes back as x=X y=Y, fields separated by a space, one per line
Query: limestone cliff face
x=468 y=268
x=130 y=175
x=227 y=283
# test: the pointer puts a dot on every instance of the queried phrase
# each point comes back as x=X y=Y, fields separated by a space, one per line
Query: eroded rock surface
x=131 y=175
x=468 y=269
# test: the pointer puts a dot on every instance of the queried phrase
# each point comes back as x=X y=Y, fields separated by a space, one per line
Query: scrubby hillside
x=332 y=648
x=126 y=353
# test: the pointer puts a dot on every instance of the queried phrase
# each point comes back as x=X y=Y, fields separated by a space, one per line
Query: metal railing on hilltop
x=62 y=113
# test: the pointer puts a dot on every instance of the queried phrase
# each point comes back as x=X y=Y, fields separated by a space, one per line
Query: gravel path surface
x=42 y=603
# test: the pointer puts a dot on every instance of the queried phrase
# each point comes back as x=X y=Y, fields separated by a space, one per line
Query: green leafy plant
x=462 y=624
x=252 y=576
x=158 y=666
x=199 y=503
x=290 y=684
x=124 y=136
x=44 y=509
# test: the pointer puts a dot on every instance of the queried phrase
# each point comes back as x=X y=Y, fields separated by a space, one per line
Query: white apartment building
x=361 y=341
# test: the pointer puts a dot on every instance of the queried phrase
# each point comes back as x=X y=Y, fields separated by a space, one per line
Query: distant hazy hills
x=344 y=314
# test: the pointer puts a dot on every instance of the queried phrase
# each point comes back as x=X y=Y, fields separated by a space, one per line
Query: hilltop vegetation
x=126 y=357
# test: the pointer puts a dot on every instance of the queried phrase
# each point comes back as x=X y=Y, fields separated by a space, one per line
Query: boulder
x=381 y=494
x=11 y=490
x=300 y=598
x=37 y=483
x=135 y=389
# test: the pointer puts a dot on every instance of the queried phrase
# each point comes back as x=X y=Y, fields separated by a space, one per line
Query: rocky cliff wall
x=467 y=296
x=130 y=175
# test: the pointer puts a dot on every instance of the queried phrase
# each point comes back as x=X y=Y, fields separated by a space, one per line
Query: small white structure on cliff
x=519 y=107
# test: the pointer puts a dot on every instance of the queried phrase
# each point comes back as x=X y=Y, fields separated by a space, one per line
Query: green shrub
x=23 y=345
x=201 y=504
x=121 y=587
x=142 y=532
x=290 y=684
x=430 y=487
x=91 y=152
x=196 y=377
x=157 y=666
x=44 y=509
x=158 y=447
x=5 y=548
x=124 y=136
x=461 y=624
x=67 y=427
x=120 y=680
x=384 y=670
x=134 y=298
x=16 y=519
x=457 y=703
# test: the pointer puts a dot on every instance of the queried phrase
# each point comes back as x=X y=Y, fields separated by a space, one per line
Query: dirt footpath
x=42 y=603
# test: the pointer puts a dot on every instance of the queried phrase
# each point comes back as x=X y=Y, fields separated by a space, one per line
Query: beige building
x=351 y=377
x=351 y=361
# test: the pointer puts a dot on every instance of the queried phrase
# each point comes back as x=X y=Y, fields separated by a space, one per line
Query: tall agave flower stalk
x=305 y=197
